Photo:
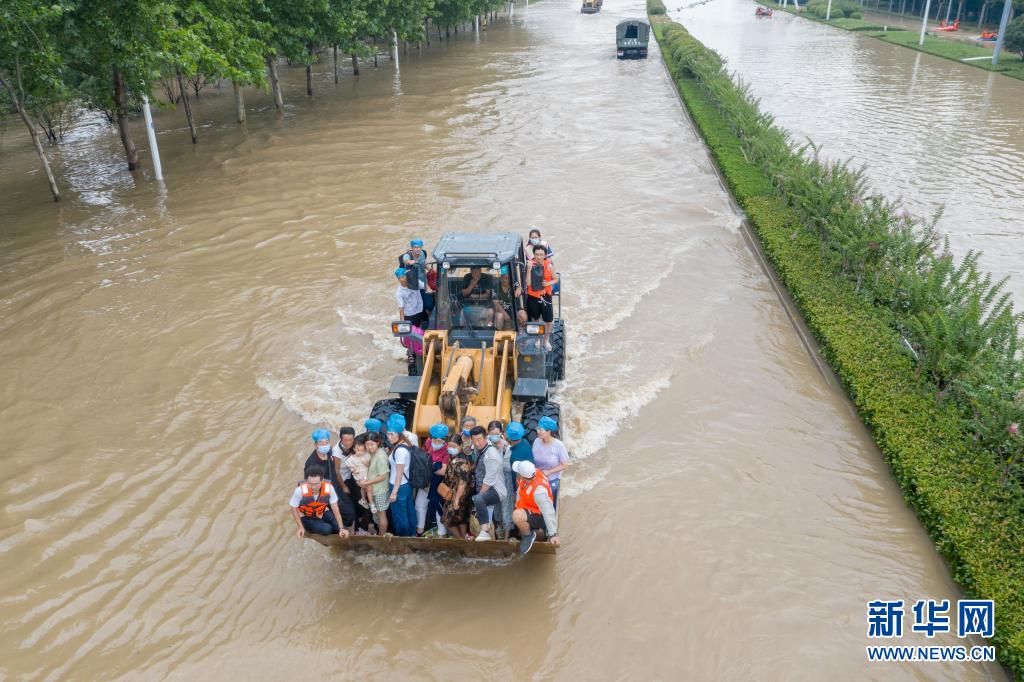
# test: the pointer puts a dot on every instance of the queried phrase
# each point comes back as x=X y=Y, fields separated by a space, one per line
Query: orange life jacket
x=549 y=274
x=527 y=488
x=314 y=505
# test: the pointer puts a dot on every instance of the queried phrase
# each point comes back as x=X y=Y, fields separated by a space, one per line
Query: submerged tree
x=30 y=65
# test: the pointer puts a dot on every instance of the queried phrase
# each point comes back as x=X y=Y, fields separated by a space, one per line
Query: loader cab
x=476 y=279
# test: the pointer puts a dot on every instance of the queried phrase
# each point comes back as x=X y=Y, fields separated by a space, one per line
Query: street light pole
x=158 y=170
x=924 y=20
x=1002 y=31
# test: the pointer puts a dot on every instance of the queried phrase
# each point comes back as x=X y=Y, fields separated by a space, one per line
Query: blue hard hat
x=321 y=434
x=400 y=272
x=396 y=423
x=416 y=242
x=515 y=431
x=373 y=425
x=548 y=424
x=438 y=431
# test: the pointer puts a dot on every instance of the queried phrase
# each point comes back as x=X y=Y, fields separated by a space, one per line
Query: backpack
x=419 y=467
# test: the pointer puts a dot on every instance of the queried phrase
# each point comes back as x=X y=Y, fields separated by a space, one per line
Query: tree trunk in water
x=309 y=71
x=35 y=137
x=121 y=110
x=355 y=65
x=275 y=82
x=239 y=103
x=426 y=30
x=188 y=108
x=335 y=64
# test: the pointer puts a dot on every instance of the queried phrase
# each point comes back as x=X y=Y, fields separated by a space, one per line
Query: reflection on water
x=164 y=354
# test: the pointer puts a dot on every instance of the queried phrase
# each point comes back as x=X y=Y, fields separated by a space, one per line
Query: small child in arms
x=359 y=463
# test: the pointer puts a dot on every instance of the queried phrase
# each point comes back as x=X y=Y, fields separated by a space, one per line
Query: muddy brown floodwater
x=164 y=354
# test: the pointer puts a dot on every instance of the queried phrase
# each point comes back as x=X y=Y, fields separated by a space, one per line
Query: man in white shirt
x=410 y=303
x=314 y=505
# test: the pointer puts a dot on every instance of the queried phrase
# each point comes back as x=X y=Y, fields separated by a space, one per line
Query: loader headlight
x=401 y=328
x=535 y=329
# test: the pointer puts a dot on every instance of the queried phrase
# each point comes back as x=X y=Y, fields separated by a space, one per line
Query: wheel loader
x=480 y=357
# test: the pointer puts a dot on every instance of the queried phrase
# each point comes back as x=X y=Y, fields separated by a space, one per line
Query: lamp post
x=924 y=20
x=151 y=134
x=1002 y=31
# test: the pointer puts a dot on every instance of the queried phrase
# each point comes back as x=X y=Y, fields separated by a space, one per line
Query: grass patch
x=1010 y=64
x=975 y=519
x=855 y=25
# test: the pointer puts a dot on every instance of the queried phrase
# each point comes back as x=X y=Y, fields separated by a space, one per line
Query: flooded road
x=930 y=131
x=165 y=353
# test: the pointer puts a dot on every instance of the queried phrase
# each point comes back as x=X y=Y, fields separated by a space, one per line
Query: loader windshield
x=468 y=296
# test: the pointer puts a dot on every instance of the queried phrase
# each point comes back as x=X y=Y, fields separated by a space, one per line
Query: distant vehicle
x=631 y=37
x=763 y=12
x=591 y=7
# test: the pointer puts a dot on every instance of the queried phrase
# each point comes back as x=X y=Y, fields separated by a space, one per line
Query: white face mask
x=535 y=240
x=453 y=451
x=323 y=449
x=438 y=444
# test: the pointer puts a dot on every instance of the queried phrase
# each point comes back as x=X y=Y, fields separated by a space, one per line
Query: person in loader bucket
x=535 y=507
x=314 y=505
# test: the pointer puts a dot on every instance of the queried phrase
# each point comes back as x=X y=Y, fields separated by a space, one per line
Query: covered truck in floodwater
x=631 y=37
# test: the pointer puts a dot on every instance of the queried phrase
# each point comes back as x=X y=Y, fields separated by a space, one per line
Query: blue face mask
x=494 y=438
x=465 y=432
x=323 y=449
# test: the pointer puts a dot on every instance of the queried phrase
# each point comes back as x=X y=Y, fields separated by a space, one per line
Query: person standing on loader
x=410 y=303
x=540 y=277
x=416 y=259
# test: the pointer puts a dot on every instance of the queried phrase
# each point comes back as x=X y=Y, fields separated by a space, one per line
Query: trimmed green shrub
x=656 y=7
x=868 y=280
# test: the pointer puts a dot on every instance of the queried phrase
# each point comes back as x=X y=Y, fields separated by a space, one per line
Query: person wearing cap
x=410 y=303
x=492 y=491
x=403 y=512
x=314 y=505
x=535 y=506
x=416 y=259
x=373 y=425
x=519 y=451
x=549 y=454
x=437 y=450
x=323 y=456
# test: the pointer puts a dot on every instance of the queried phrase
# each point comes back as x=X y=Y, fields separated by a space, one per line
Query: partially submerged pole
x=924 y=20
x=1002 y=31
x=151 y=132
x=828 y=11
x=394 y=46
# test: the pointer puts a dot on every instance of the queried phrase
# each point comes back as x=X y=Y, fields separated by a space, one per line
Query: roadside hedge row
x=656 y=8
x=975 y=519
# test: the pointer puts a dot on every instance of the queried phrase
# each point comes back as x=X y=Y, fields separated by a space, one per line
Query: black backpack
x=419 y=467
